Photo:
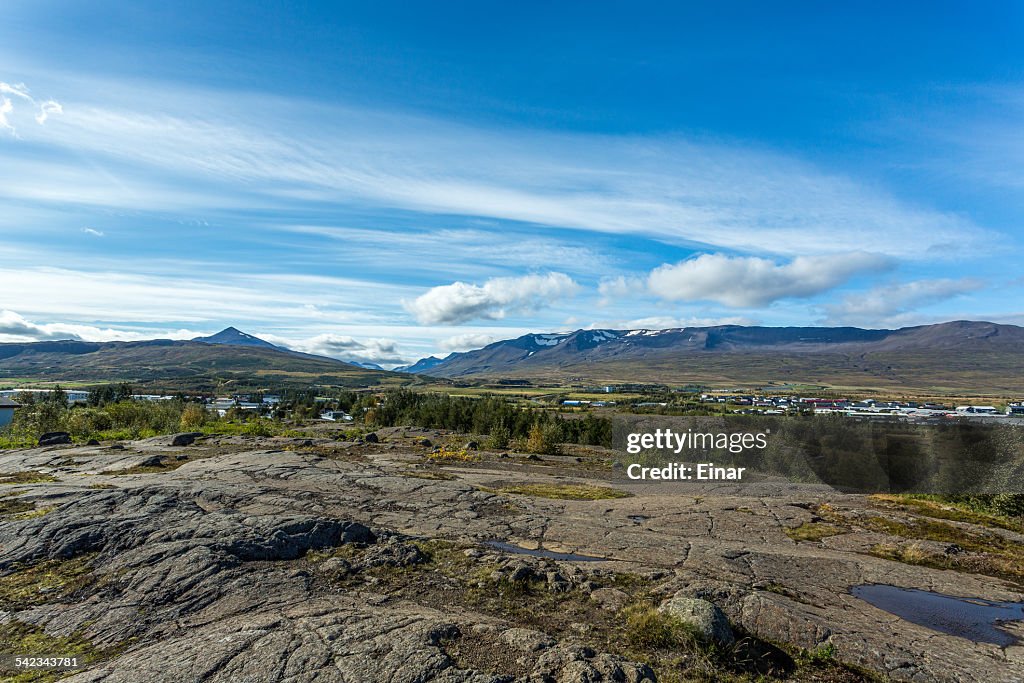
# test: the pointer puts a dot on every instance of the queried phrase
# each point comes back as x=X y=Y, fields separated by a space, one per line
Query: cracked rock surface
x=251 y=560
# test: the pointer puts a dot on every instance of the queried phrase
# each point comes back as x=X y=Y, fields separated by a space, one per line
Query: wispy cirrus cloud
x=666 y=188
x=475 y=251
x=770 y=226
x=43 y=108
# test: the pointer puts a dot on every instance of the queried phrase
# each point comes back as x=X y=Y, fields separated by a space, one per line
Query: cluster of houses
x=259 y=404
x=865 y=408
x=744 y=404
x=8 y=402
x=220 y=405
x=73 y=396
x=7 y=408
x=593 y=404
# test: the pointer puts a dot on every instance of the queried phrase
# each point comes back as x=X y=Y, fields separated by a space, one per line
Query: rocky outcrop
x=273 y=560
x=54 y=439
x=708 y=622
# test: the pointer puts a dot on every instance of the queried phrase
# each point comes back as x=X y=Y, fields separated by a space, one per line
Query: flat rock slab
x=197 y=564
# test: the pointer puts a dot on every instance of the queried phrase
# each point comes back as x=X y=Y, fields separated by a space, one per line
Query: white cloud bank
x=16 y=328
x=460 y=302
x=343 y=347
x=466 y=342
x=749 y=281
x=892 y=305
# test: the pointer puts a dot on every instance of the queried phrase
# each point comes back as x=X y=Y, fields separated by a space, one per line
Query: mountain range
x=954 y=356
x=230 y=358
x=958 y=357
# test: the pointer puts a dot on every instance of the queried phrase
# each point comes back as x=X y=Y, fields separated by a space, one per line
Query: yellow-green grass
x=813 y=531
x=26 y=477
x=560 y=491
x=45 y=582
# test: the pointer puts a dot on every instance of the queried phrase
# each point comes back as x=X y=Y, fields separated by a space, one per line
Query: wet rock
x=704 y=617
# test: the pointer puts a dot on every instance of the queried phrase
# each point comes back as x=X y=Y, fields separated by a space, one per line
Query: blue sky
x=381 y=181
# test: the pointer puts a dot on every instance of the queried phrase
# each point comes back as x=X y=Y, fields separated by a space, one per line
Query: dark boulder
x=290 y=539
x=54 y=439
x=185 y=438
x=371 y=438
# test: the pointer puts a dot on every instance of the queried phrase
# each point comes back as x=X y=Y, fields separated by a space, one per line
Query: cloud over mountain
x=343 y=347
x=460 y=302
x=750 y=281
x=890 y=304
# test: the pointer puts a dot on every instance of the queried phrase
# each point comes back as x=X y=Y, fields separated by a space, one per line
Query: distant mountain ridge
x=229 y=358
x=423 y=365
x=232 y=336
x=954 y=354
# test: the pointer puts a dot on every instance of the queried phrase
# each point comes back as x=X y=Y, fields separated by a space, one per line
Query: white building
x=977 y=410
x=7 y=408
x=73 y=396
x=335 y=416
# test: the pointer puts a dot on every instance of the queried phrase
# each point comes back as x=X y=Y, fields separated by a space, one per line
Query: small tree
x=544 y=439
x=499 y=437
x=193 y=416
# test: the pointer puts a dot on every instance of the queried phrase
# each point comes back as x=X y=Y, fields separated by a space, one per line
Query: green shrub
x=545 y=439
x=193 y=416
x=499 y=438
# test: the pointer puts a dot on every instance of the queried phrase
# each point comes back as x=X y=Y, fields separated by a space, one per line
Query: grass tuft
x=26 y=477
x=45 y=582
x=561 y=491
x=813 y=531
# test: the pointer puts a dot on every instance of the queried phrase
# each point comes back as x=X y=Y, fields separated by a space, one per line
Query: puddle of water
x=542 y=552
x=974 y=619
x=638 y=518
